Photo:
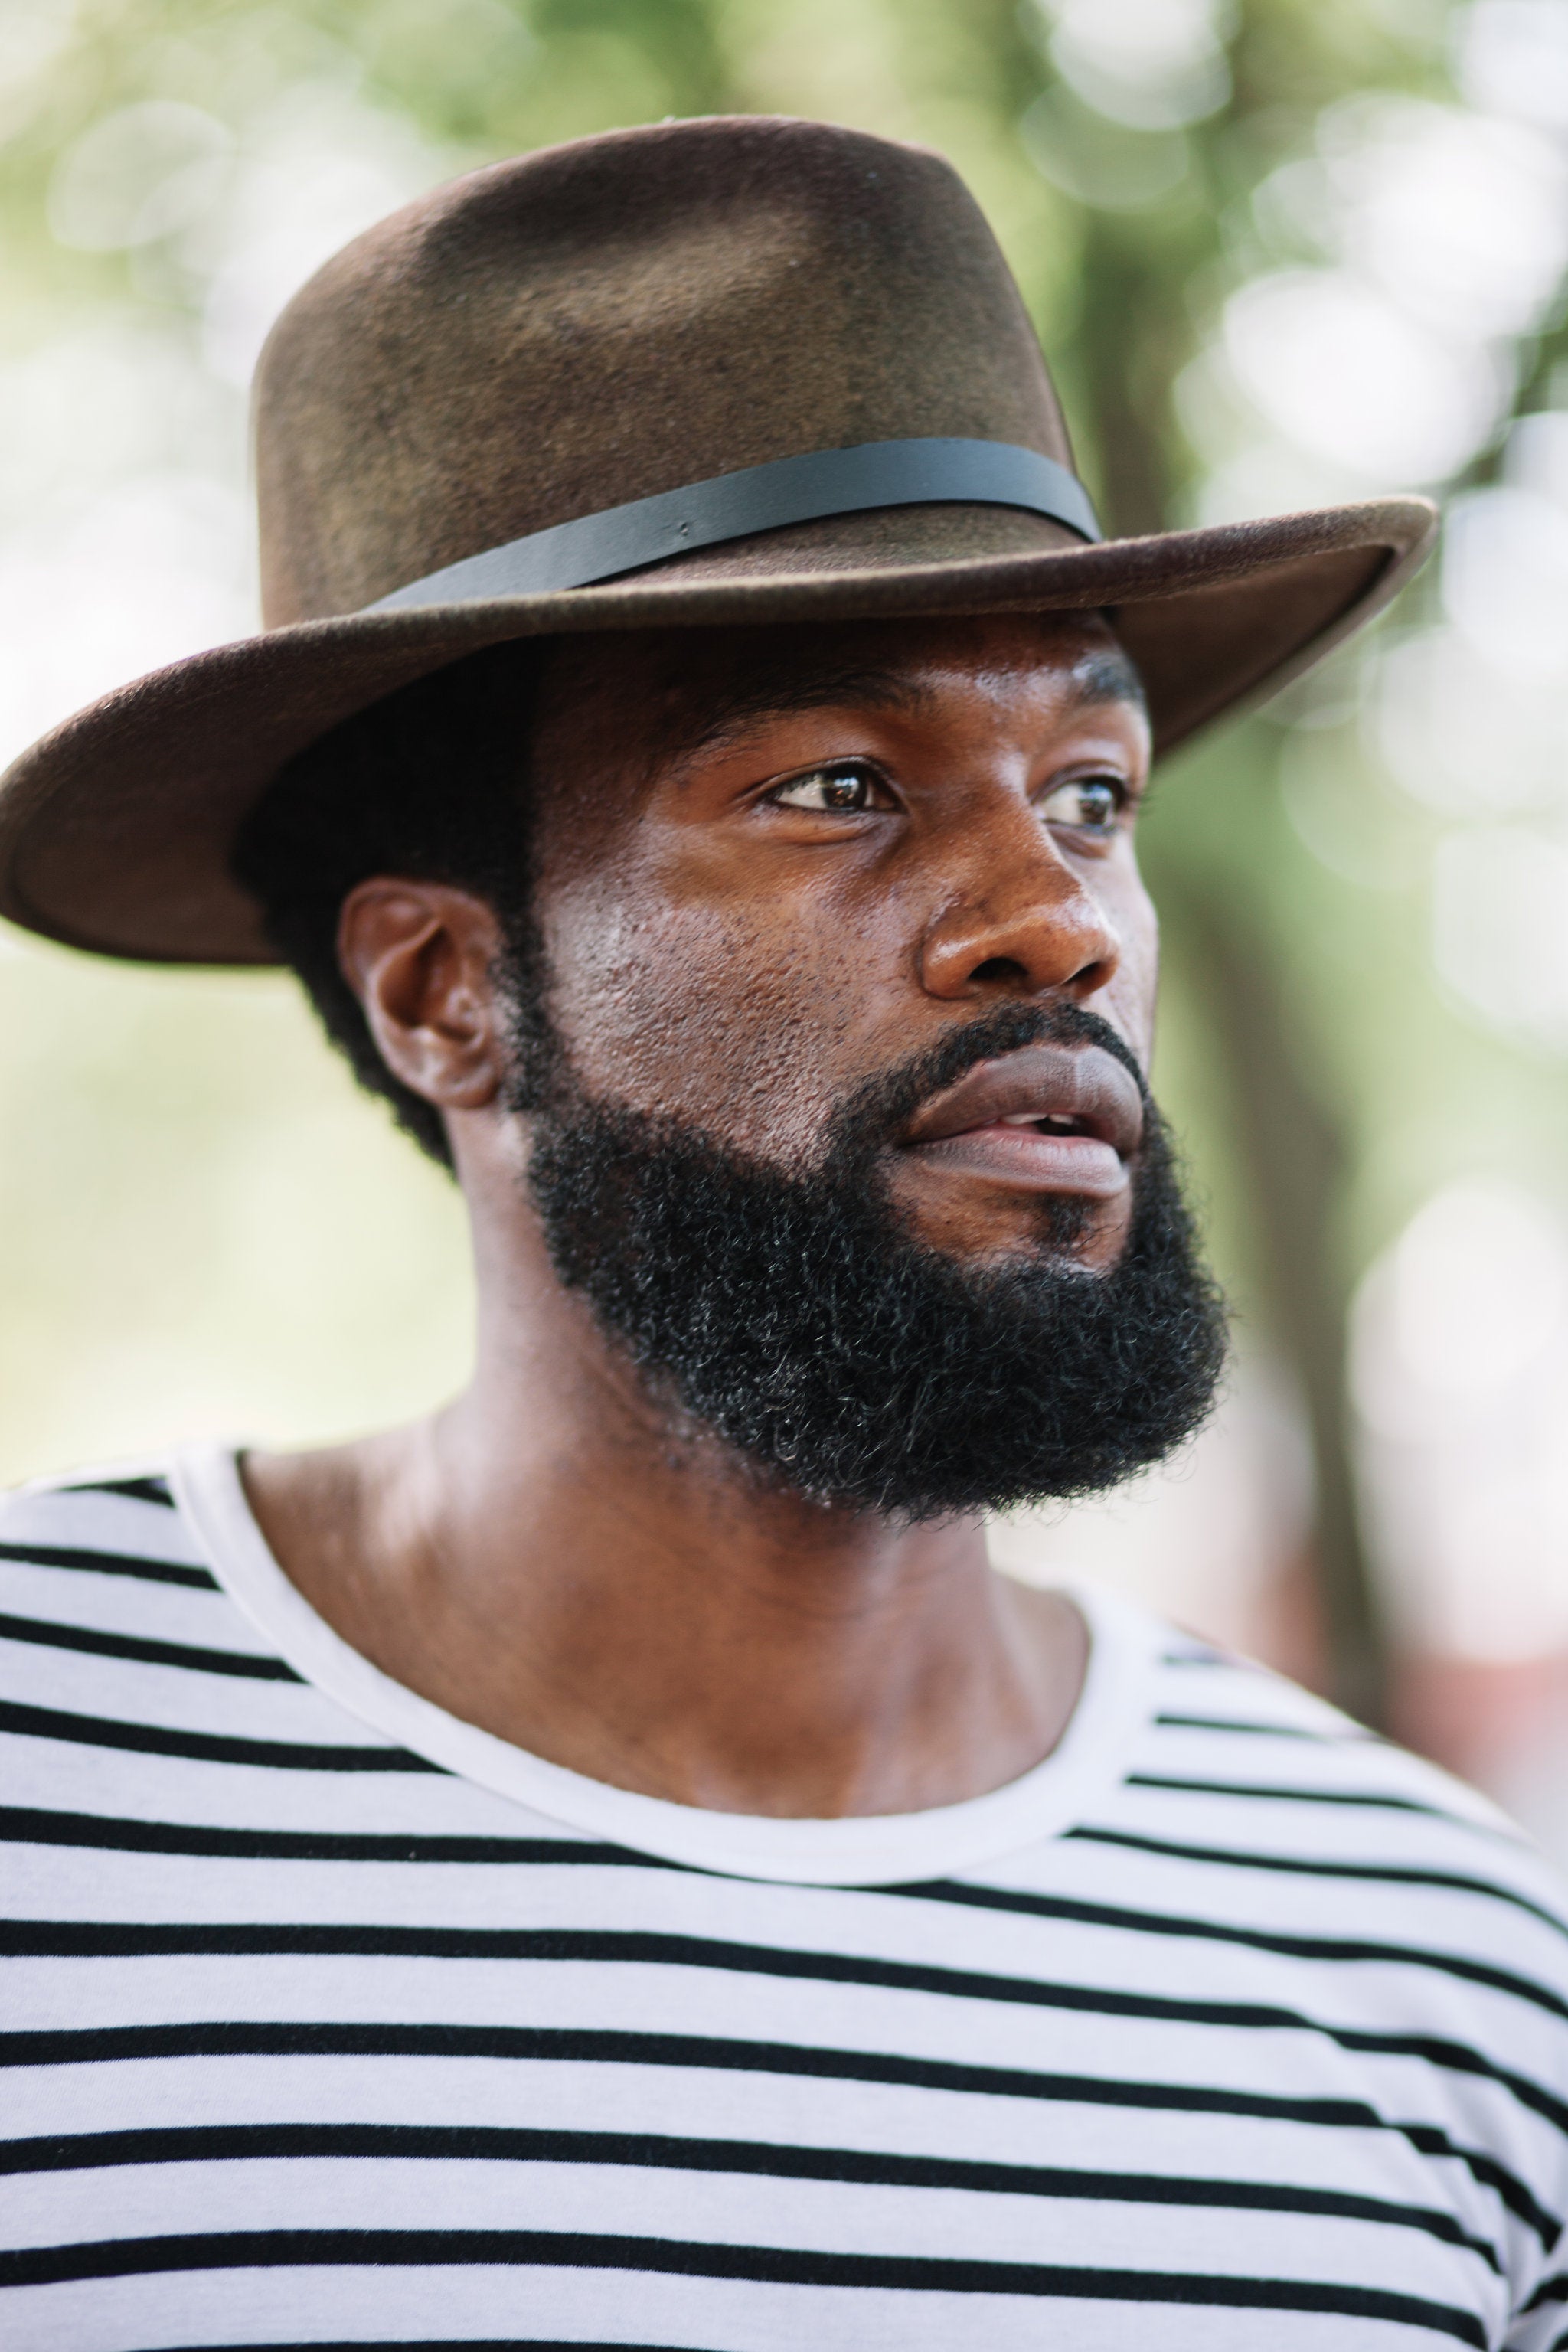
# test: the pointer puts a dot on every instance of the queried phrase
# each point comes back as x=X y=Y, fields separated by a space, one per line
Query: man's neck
x=556 y=1559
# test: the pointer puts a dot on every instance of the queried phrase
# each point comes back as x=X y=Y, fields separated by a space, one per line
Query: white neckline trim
x=865 y=1850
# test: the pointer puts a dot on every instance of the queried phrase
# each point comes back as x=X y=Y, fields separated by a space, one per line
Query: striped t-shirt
x=330 y=2019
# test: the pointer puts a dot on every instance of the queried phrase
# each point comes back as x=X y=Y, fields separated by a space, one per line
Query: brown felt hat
x=735 y=371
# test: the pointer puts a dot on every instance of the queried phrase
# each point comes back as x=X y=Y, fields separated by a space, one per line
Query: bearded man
x=611 y=1865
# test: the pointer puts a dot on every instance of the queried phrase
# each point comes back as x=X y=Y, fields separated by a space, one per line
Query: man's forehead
x=713 y=691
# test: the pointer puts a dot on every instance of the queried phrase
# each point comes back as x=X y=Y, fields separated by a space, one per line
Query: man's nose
x=1019 y=921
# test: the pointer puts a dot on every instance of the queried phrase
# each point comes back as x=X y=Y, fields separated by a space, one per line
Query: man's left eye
x=1092 y=804
x=832 y=789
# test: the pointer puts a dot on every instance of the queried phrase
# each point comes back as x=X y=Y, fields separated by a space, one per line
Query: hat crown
x=602 y=321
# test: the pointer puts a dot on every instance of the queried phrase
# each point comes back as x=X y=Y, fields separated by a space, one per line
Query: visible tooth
x=1022 y=1118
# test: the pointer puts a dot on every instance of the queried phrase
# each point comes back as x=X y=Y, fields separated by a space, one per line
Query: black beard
x=797 y=1317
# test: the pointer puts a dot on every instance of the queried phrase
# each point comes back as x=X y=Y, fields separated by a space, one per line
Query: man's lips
x=1049 y=1118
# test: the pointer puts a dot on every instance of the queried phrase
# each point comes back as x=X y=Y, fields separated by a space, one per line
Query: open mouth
x=1047 y=1118
x=1047 y=1122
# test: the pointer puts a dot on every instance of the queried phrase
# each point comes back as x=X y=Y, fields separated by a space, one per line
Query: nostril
x=1000 y=969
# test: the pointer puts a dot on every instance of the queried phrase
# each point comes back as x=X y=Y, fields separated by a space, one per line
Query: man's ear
x=422 y=958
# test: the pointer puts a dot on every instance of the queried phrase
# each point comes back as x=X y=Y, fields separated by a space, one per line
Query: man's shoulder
x=1240 y=1762
x=102 y=1578
x=118 y=1519
x=1226 y=1725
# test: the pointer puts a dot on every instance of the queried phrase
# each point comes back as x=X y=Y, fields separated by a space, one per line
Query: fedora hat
x=718 y=372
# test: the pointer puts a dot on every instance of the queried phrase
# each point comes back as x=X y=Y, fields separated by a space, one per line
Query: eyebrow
x=1105 y=676
x=1108 y=675
x=779 y=694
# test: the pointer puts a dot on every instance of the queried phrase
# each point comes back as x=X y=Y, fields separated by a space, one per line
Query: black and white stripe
x=309 y=2038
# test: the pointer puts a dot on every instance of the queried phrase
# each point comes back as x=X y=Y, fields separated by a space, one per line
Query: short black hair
x=431 y=782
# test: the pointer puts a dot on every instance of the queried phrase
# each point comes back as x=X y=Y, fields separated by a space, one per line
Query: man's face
x=774 y=866
x=836 y=1109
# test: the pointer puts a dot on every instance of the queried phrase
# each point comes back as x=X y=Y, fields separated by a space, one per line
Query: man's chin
x=978 y=1226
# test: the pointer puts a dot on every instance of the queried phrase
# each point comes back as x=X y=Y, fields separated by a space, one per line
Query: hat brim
x=116 y=828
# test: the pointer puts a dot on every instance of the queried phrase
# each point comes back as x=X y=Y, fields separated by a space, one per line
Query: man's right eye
x=831 y=791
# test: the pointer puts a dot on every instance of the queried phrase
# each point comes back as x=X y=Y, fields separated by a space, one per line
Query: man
x=611 y=1864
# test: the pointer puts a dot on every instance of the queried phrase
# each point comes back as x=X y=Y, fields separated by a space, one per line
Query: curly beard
x=797 y=1317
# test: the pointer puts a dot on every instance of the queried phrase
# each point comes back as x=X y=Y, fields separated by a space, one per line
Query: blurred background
x=1280 y=252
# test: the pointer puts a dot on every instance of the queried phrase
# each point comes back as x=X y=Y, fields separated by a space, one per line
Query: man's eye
x=833 y=789
x=1092 y=804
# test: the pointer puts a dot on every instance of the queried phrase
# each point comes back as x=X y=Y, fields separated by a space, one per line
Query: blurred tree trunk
x=1292 y=1154
x=1294 y=1158
x=1124 y=299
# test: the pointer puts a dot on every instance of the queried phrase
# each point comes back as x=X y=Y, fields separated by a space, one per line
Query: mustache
x=881 y=1108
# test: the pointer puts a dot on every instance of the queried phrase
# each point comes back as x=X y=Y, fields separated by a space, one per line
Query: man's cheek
x=689 y=1010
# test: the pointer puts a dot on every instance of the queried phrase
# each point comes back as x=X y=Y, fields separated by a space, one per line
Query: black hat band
x=759 y=498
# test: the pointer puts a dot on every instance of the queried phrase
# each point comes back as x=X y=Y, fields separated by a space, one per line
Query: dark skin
x=745 y=922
